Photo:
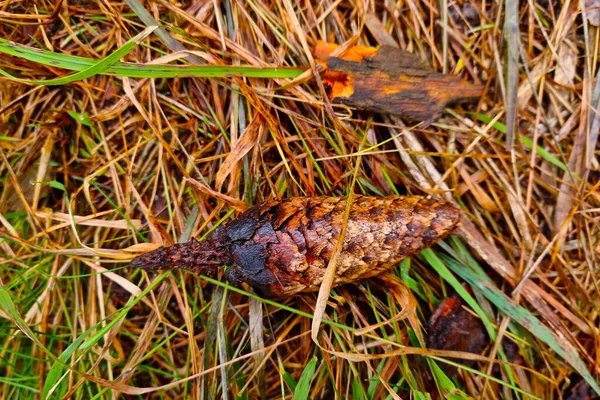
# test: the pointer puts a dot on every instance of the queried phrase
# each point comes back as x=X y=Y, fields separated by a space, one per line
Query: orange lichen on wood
x=391 y=81
x=355 y=53
x=341 y=84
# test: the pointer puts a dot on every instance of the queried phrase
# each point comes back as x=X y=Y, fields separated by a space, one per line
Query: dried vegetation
x=98 y=170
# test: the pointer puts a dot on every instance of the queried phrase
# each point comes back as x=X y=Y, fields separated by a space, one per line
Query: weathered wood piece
x=393 y=81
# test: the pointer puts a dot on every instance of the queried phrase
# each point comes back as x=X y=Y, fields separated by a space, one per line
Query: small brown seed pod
x=282 y=247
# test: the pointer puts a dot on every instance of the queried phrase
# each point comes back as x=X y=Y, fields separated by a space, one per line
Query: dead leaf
x=529 y=85
x=565 y=67
x=478 y=192
x=235 y=203
x=391 y=81
x=143 y=247
x=239 y=150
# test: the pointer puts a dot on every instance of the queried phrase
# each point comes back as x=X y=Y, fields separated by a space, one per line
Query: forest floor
x=110 y=154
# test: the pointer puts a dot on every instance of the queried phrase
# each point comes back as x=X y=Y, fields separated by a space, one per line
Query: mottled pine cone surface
x=282 y=247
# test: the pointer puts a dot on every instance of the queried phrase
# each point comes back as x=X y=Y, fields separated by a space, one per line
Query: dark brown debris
x=393 y=81
x=454 y=328
x=581 y=390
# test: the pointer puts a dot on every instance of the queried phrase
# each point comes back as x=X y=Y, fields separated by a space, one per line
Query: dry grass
x=92 y=168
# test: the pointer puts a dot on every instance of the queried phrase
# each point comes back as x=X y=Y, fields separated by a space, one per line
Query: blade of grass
x=511 y=35
x=302 y=390
x=162 y=33
x=55 y=376
x=74 y=63
x=289 y=379
x=488 y=377
x=441 y=269
x=94 y=69
x=9 y=308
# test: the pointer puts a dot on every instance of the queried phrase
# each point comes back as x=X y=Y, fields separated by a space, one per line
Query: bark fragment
x=284 y=247
x=392 y=81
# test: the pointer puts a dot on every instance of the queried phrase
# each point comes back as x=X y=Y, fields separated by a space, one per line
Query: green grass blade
x=488 y=377
x=545 y=154
x=441 y=269
x=287 y=378
x=74 y=63
x=8 y=306
x=17 y=384
x=54 y=376
x=302 y=391
x=94 y=69
x=148 y=20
